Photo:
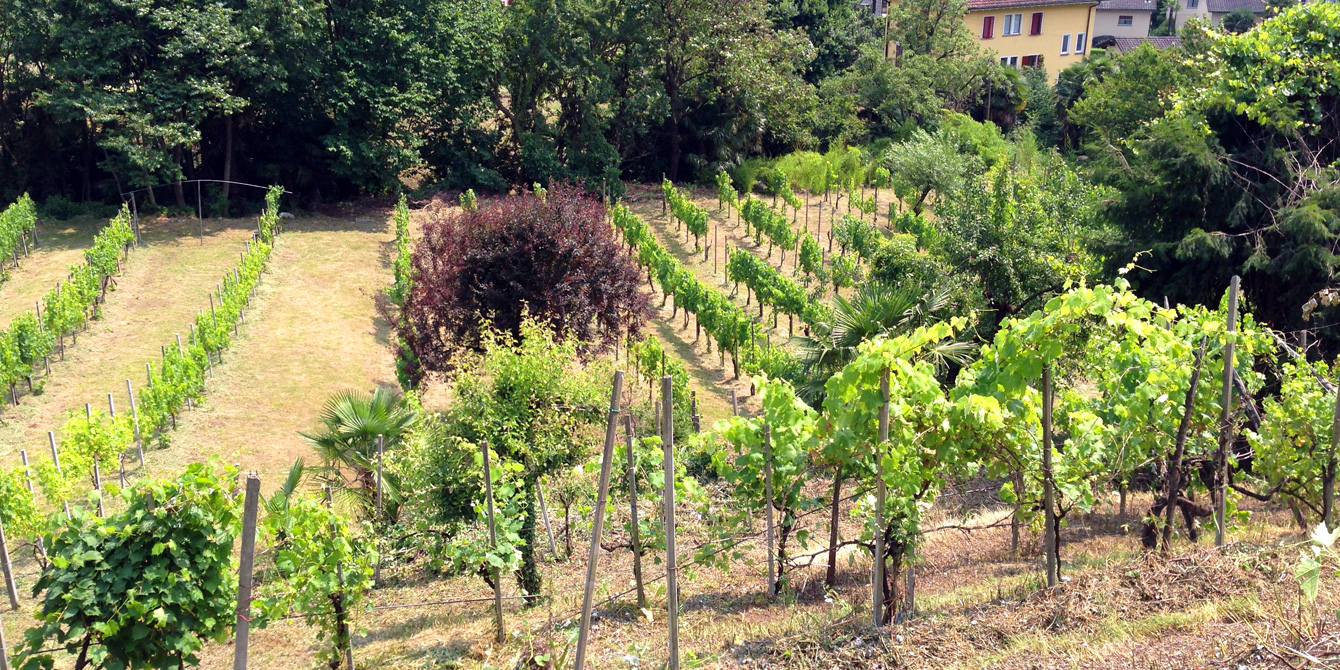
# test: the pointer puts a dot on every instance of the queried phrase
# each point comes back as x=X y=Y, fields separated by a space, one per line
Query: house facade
x=1034 y=33
x=1123 y=18
x=1214 y=11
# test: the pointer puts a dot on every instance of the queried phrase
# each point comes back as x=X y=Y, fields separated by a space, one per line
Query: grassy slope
x=62 y=245
x=161 y=286
x=313 y=331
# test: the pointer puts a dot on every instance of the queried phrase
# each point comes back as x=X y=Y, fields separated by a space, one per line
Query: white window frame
x=1125 y=20
x=1065 y=44
x=1080 y=39
x=1017 y=28
x=1192 y=4
x=1010 y=61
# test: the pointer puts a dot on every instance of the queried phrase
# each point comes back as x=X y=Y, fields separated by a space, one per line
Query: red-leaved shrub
x=554 y=257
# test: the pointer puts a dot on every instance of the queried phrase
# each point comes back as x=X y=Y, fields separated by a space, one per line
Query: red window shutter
x=1030 y=61
x=988 y=27
x=1037 y=24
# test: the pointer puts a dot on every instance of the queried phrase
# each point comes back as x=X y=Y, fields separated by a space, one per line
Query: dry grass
x=312 y=331
x=62 y=245
x=162 y=284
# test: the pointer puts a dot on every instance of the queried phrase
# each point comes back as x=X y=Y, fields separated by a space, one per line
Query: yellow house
x=1033 y=33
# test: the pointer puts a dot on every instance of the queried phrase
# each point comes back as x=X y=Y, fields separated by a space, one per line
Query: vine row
x=17 y=222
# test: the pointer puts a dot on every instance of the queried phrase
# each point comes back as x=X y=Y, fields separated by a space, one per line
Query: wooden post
x=97 y=485
x=499 y=634
x=602 y=494
x=1328 y=481
x=381 y=451
x=693 y=411
x=1048 y=492
x=9 y=572
x=27 y=473
x=632 y=509
x=671 y=564
x=767 y=496
x=4 y=649
x=55 y=459
x=134 y=415
x=910 y=603
x=548 y=526
x=1226 y=417
x=877 y=581
x=381 y=505
x=245 y=569
x=734 y=404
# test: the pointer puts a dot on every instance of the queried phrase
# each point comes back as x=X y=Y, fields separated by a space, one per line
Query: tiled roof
x=1128 y=44
x=1225 y=6
x=1128 y=5
x=979 y=5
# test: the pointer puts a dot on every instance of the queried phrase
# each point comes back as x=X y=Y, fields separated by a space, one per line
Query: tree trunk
x=178 y=192
x=528 y=576
x=830 y=579
x=227 y=159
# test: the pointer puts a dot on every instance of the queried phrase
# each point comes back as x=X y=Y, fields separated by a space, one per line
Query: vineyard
x=1038 y=498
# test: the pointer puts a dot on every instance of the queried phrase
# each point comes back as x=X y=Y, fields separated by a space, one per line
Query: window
x=1125 y=20
x=1079 y=42
x=1031 y=61
x=1014 y=24
x=1065 y=44
x=1011 y=61
x=988 y=27
x=1192 y=4
x=1036 y=28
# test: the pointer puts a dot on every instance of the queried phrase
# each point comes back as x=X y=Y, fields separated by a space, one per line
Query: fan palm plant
x=347 y=444
x=876 y=310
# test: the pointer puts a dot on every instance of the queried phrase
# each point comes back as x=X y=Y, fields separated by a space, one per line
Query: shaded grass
x=62 y=245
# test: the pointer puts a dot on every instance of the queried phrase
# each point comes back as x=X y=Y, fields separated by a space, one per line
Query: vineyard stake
x=548 y=526
x=245 y=569
x=4 y=649
x=499 y=635
x=877 y=581
x=55 y=458
x=671 y=567
x=381 y=506
x=1048 y=485
x=1328 y=483
x=767 y=495
x=734 y=404
x=693 y=411
x=911 y=600
x=134 y=415
x=9 y=574
x=1225 y=416
x=602 y=494
x=97 y=485
x=27 y=474
x=632 y=509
